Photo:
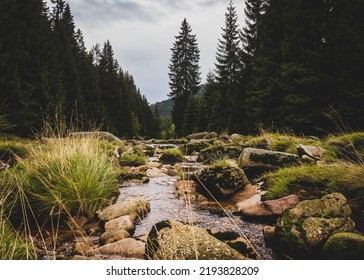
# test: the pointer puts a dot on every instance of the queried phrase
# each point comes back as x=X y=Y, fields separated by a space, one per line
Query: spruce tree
x=227 y=64
x=184 y=73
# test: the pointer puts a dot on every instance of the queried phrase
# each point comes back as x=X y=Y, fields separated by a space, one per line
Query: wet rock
x=123 y=223
x=220 y=182
x=257 y=161
x=113 y=235
x=134 y=208
x=241 y=245
x=247 y=203
x=269 y=208
x=197 y=136
x=269 y=234
x=344 y=246
x=153 y=164
x=310 y=151
x=155 y=173
x=84 y=258
x=171 y=240
x=303 y=230
x=126 y=248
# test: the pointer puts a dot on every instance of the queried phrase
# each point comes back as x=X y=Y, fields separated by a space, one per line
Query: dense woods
x=47 y=74
x=292 y=65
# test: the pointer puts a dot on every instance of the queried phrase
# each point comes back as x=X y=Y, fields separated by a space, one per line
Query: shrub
x=132 y=159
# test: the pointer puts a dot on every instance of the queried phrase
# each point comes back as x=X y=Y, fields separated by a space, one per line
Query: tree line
x=293 y=65
x=47 y=75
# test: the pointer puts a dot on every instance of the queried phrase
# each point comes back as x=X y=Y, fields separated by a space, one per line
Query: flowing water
x=165 y=205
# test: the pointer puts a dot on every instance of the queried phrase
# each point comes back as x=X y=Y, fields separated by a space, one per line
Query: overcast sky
x=142 y=34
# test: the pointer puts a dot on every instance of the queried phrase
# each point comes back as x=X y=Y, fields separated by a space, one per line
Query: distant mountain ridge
x=165 y=107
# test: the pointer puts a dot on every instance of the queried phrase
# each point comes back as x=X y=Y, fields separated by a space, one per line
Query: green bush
x=132 y=159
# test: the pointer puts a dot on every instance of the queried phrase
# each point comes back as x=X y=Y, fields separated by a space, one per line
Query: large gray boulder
x=134 y=208
x=220 y=182
x=310 y=151
x=171 y=240
x=303 y=230
x=257 y=161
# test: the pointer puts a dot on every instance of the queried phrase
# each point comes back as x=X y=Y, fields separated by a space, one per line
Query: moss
x=344 y=246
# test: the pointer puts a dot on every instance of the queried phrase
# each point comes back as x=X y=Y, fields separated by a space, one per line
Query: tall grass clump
x=12 y=245
x=348 y=146
x=312 y=181
x=68 y=177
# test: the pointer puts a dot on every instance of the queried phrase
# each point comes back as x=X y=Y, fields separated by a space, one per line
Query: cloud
x=143 y=31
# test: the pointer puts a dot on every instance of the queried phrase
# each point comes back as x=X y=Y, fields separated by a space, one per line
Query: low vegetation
x=132 y=159
x=312 y=181
x=171 y=156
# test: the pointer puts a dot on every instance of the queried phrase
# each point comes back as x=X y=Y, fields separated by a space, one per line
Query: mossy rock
x=196 y=146
x=171 y=240
x=220 y=182
x=171 y=156
x=344 y=246
x=303 y=230
x=217 y=152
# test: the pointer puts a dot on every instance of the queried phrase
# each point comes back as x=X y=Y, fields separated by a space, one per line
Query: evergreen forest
x=291 y=66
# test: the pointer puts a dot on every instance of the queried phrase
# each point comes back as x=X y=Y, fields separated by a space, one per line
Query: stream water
x=165 y=205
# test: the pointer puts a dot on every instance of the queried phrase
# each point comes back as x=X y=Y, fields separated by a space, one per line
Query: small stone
x=113 y=235
x=124 y=222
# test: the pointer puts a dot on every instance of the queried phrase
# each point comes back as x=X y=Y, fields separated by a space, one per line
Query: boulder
x=257 y=161
x=211 y=135
x=303 y=230
x=197 y=136
x=195 y=146
x=170 y=158
x=124 y=222
x=127 y=248
x=344 y=246
x=220 y=182
x=216 y=152
x=310 y=151
x=112 y=236
x=241 y=245
x=269 y=234
x=269 y=208
x=171 y=240
x=135 y=208
x=102 y=135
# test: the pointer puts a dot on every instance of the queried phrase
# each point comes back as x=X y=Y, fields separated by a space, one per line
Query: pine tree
x=183 y=73
x=227 y=64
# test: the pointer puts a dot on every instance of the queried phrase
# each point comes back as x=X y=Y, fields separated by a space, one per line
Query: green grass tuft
x=132 y=159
